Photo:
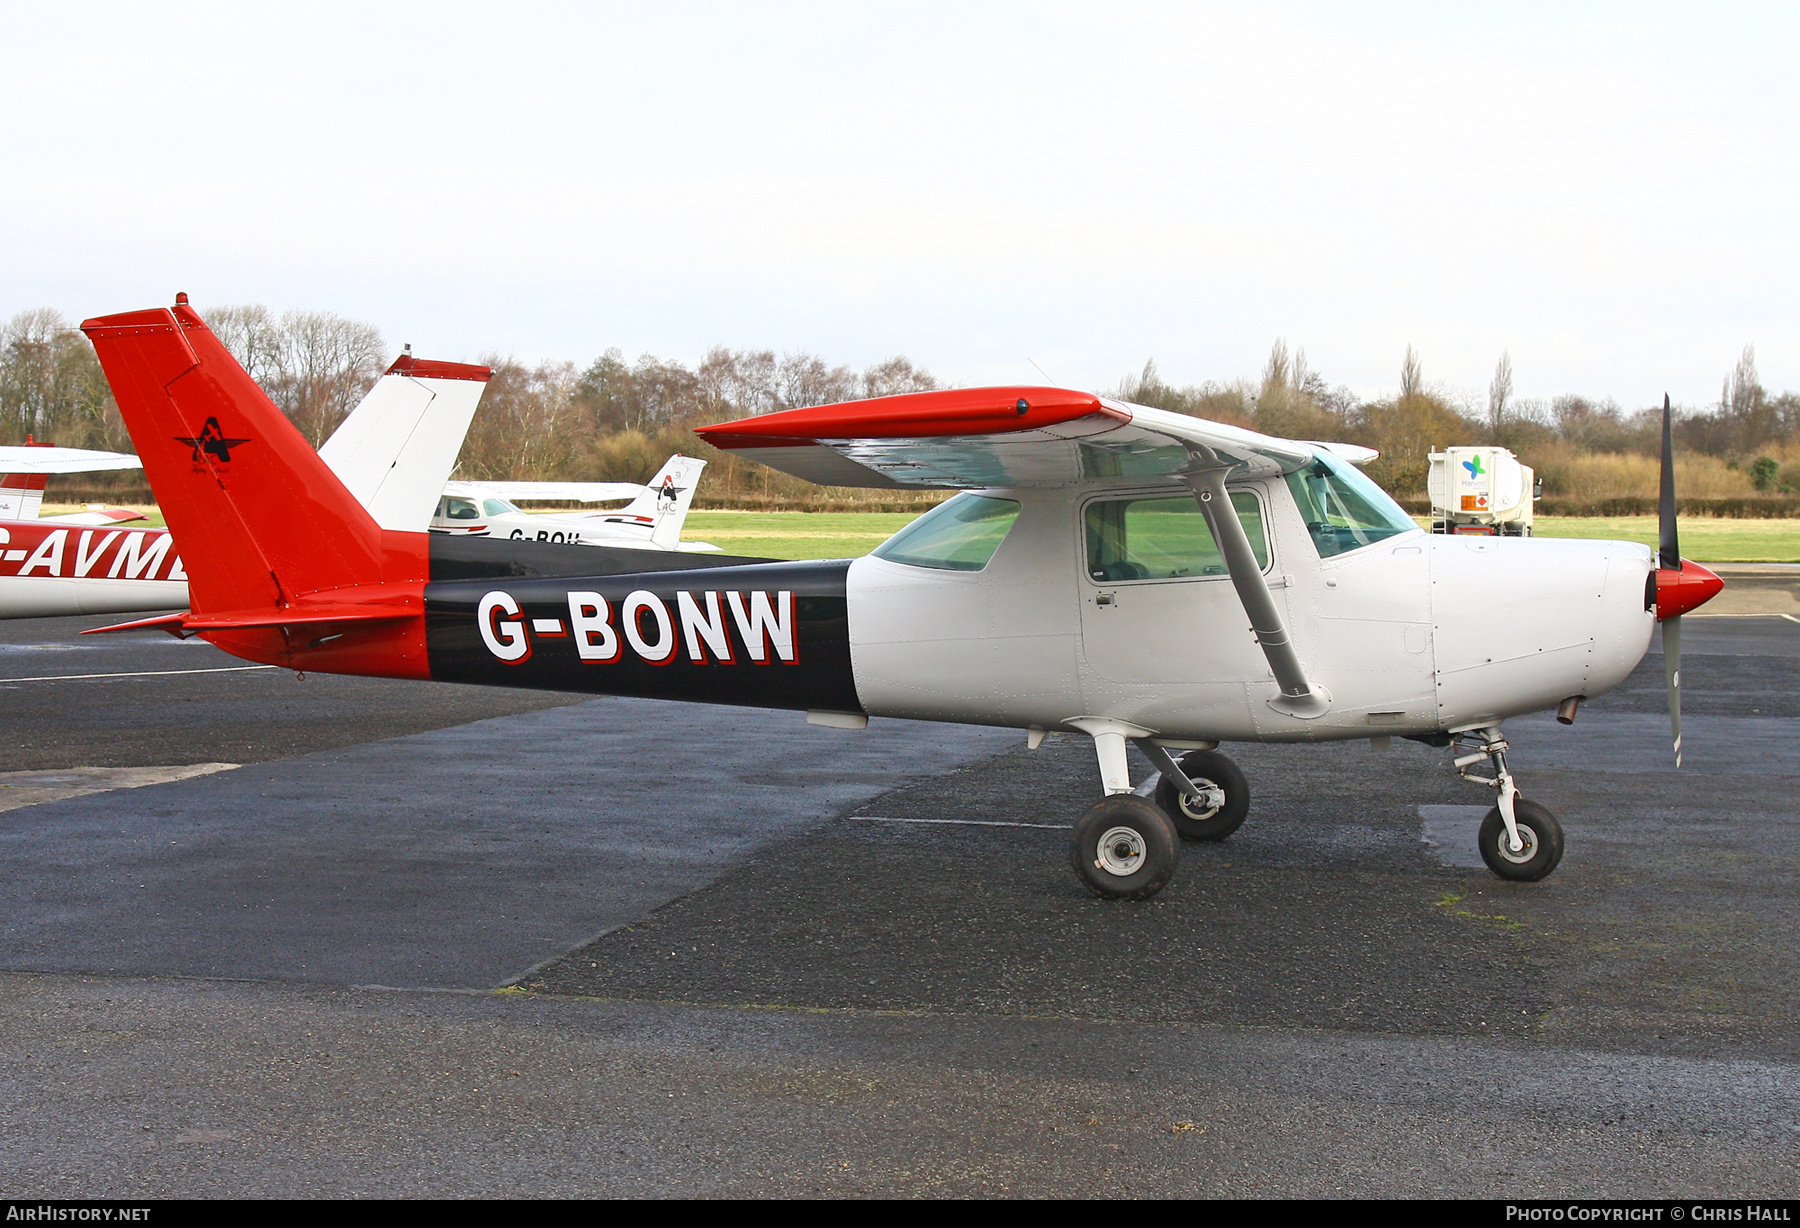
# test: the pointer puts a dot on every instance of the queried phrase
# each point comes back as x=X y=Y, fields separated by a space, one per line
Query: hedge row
x=1755 y=507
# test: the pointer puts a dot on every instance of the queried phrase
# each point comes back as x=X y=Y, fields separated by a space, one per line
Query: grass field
x=838 y=535
x=796 y=535
x=1703 y=539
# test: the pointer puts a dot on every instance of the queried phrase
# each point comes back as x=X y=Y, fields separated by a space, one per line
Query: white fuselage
x=1412 y=634
x=52 y=569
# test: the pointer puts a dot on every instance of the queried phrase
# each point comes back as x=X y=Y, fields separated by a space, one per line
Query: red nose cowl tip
x=1677 y=592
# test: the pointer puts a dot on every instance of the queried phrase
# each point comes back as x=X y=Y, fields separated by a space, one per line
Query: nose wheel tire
x=1224 y=800
x=1540 y=833
x=1125 y=848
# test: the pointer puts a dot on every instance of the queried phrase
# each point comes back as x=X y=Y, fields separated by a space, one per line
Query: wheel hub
x=1208 y=802
x=1121 y=851
x=1528 y=841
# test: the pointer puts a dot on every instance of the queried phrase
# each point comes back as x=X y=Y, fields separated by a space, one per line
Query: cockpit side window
x=1163 y=538
x=459 y=509
x=1342 y=508
x=960 y=534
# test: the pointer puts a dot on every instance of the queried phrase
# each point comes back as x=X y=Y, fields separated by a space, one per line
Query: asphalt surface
x=646 y=949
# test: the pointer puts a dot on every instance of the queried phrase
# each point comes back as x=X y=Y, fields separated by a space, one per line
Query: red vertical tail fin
x=266 y=530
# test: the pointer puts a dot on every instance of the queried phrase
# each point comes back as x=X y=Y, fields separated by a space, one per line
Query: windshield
x=960 y=534
x=1342 y=508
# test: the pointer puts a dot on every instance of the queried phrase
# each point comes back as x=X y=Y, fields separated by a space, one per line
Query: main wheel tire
x=1125 y=848
x=1202 y=820
x=1541 y=834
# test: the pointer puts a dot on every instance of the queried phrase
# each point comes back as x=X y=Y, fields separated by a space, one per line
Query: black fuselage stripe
x=765 y=635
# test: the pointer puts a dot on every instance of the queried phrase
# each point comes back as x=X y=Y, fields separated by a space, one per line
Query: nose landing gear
x=1519 y=840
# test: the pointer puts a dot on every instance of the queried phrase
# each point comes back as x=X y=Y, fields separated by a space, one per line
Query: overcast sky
x=1609 y=196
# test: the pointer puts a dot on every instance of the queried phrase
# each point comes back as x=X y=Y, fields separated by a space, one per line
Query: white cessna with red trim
x=1135 y=575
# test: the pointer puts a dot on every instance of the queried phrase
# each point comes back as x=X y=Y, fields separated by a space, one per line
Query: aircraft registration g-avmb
x=1139 y=576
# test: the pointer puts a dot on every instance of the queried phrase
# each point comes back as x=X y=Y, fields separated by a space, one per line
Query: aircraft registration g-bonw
x=1135 y=575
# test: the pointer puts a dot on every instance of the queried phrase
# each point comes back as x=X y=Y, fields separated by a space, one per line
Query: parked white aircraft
x=1138 y=576
x=652 y=521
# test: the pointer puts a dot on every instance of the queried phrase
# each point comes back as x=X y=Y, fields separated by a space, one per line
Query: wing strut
x=1205 y=475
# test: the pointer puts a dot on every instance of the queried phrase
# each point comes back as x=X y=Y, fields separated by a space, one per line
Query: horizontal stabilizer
x=298 y=615
x=309 y=614
x=162 y=622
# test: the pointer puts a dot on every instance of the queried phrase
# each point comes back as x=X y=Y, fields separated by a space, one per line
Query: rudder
x=259 y=517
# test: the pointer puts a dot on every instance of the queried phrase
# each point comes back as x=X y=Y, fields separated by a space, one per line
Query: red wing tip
x=953 y=411
x=431 y=368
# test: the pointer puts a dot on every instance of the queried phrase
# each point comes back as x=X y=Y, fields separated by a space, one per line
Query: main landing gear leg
x=1124 y=847
x=1519 y=840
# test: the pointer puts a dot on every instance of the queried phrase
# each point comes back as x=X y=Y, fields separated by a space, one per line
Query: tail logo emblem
x=668 y=490
x=211 y=441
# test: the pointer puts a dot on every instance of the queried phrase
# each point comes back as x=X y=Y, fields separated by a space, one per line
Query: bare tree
x=315 y=365
x=330 y=363
x=1412 y=375
x=894 y=377
x=804 y=379
x=1500 y=390
x=51 y=386
x=1277 y=371
x=527 y=422
x=1742 y=387
x=253 y=336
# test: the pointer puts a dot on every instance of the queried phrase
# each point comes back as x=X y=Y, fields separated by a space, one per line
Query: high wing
x=565 y=492
x=25 y=475
x=1017 y=437
x=980 y=437
x=40 y=458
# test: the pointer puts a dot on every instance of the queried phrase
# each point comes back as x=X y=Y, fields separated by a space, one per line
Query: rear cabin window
x=1163 y=538
x=1342 y=508
x=960 y=534
x=498 y=507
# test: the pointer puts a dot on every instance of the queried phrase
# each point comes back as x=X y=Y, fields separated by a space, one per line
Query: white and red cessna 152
x=1135 y=575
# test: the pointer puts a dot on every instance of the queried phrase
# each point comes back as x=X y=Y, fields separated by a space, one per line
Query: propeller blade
x=1671 y=630
x=1668 y=546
